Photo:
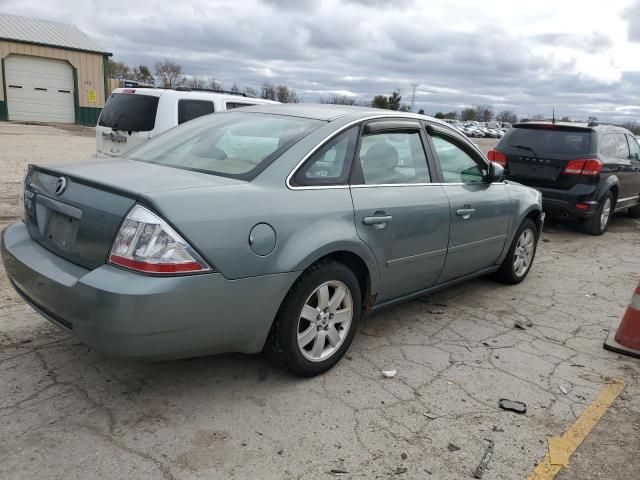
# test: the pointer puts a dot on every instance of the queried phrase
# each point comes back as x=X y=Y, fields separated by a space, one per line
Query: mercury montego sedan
x=270 y=228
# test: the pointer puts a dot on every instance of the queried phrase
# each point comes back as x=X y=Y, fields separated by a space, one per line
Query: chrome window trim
x=351 y=124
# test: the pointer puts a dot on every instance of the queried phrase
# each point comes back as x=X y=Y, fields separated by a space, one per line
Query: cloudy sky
x=580 y=57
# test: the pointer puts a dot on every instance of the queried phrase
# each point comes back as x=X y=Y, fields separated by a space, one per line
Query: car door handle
x=465 y=212
x=377 y=219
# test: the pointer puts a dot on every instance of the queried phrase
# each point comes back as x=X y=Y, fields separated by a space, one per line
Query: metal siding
x=41 y=32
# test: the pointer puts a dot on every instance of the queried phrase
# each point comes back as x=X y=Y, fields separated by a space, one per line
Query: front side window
x=634 y=148
x=331 y=163
x=393 y=158
x=190 y=109
x=457 y=165
x=622 y=147
x=230 y=144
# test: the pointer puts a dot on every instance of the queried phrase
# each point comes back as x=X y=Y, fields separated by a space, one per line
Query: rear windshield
x=543 y=141
x=231 y=144
x=126 y=111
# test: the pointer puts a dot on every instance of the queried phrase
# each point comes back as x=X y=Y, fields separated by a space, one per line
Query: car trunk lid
x=76 y=210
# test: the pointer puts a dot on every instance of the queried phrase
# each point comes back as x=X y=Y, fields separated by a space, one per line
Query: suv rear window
x=544 y=141
x=130 y=112
x=231 y=144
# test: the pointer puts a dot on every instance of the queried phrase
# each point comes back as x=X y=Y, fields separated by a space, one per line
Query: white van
x=132 y=116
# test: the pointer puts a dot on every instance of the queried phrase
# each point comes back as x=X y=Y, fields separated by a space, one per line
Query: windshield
x=544 y=141
x=133 y=113
x=231 y=144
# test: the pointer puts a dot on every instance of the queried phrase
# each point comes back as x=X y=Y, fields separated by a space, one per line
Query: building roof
x=51 y=34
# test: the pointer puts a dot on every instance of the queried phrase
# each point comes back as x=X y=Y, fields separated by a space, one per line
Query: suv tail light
x=589 y=167
x=146 y=243
x=498 y=157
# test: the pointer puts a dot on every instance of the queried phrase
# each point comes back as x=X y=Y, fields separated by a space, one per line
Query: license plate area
x=62 y=230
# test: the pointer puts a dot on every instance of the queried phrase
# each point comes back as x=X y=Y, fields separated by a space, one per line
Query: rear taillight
x=498 y=157
x=589 y=167
x=146 y=243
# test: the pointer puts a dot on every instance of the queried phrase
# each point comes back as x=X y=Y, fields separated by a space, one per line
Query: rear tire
x=598 y=224
x=634 y=212
x=315 y=324
x=519 y=260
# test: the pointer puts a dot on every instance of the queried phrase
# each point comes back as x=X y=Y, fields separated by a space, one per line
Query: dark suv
x=585 y=172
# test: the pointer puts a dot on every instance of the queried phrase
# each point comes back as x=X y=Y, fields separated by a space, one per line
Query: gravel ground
x=67 y=412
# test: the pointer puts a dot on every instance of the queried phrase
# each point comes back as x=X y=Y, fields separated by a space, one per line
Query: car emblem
x=61 y=186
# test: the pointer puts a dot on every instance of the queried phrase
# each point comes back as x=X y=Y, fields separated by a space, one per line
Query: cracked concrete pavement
x=69 y=413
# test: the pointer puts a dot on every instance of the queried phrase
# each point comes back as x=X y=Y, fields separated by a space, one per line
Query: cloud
x=530 y=58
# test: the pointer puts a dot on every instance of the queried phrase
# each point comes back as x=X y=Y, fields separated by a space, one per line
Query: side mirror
x=496 y=172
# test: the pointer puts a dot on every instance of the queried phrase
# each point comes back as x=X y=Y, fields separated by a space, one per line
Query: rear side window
x=634 y=148
x=130 y=112
x=614 y=145
x=331 y=163
x=231 y=105
x=190 y=109
x=553 y=141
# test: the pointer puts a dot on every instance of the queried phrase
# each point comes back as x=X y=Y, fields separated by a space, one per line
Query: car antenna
x=553 y=116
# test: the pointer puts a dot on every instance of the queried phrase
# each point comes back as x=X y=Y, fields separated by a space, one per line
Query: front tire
x=317 y=320
x=598 y=224
x=519 y=259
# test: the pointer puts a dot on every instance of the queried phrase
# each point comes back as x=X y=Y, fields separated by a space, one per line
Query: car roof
x=596 y=127
x=158 y=92
x=328 y=112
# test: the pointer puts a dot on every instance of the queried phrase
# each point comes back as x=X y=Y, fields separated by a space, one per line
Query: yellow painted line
x=561 y=448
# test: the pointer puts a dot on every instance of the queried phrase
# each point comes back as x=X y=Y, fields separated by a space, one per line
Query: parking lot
x=69 y=413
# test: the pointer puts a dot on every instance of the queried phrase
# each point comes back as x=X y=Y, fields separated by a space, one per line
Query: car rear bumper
x=564 y=203
x=123 y=313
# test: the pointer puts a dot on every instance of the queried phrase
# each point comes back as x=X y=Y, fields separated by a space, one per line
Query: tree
x=439 y=115
x=468 y=114
x=268 y=91
x=285 y=94
x=235 y=88
x=633 y=127
x=118 y=70
x=169 y=73
x=194 y=82
x=380 y=101
x=250 y=91
x=339 y=100
x=142 y=74
x=215 y=84
x=484 y=113
x=421 y=111
x=395 y=102
x=565 y=119
x=507 y=116
x=592 y=119
x=451 y=115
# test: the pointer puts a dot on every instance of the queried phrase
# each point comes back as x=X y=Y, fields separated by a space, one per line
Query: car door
x=399 y=213
x=480 y=211
x=634 y=159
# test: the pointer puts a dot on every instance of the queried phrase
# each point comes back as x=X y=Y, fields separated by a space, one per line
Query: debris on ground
x=403 y=456
x=28 y=340
x=513 y=406
x=520 y=324
x=453 y=447
x=337 y=472
x=400 y=471
x=389 y=373
x=436 y=312
x=497 y=429
x=486 y=458
x=563 y=390
x=430 y=416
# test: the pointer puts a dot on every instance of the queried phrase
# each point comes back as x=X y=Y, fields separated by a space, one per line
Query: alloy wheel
x=523 y=254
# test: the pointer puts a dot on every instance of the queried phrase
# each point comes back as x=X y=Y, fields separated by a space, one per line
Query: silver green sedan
x=268 y=228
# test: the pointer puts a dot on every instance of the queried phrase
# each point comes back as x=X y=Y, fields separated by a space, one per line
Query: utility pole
x=413 y=94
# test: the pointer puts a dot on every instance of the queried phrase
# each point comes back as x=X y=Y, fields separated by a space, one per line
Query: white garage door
x=39 y=89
